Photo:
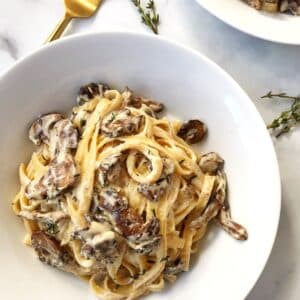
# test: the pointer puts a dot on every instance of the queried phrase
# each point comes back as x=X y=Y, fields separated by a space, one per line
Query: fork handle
x=60 y=28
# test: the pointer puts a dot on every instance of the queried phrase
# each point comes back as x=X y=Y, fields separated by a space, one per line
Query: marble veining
x=8 y=45
x=258 y=66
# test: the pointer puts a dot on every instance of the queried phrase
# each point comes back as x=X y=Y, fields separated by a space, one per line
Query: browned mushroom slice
x=99 y=241
x=211 y=163
x=154 y=191
x=120 y=123
x=192 y=131
x=59 y=177
x=96 y=212
x=149 y=238
x=91 y=90
x=110 y=168
x=129 y=222
x=66 y=135
x=142 y=236
x=155 y=106
x=131 y=100
x=39 y=131
x=291 y=6
x=106 y=251
x=111 y=201
x=236 y=230
x=50 y=252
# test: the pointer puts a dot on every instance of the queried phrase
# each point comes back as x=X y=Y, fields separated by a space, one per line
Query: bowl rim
x=244 y=97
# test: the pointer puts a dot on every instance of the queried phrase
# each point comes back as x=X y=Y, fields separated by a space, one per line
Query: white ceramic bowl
x=281 y=28
x=191 y=86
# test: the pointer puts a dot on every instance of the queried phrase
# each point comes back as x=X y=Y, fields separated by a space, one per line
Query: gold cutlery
x=74 y=9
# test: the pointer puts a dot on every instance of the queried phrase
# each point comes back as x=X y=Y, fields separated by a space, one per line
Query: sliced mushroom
x=59 y=177
x=103 y=251
x=61 y=136
x=56 y=131
x=39 y=131
x=192 y=131
x=156 y=190
x=211 y=163
x=131 y=100
x=142 y=236
x=236 y=230
x=91 y=90
x=50 y=252
x=129 y=222
x=122 y=122
x=96 y=212
x=110 y=169
x=65 y=135
x=111 y=201
x=155 y=106
x=100 y=242
x=292 y=6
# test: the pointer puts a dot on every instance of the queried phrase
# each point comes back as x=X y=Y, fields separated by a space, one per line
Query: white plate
x=281 y=28
x=191 y=86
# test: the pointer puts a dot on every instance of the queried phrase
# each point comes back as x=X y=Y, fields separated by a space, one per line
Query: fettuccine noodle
x=116 y=195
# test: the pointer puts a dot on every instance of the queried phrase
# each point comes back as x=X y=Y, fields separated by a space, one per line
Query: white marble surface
x=257 y=65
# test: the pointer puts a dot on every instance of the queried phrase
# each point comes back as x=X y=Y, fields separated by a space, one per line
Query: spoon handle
x=60 y=28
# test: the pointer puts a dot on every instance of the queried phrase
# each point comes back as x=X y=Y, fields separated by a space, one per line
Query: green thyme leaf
x=287 y=119
x=149 y=16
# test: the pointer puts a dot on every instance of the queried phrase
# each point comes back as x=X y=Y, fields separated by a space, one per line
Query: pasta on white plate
x=116 y=194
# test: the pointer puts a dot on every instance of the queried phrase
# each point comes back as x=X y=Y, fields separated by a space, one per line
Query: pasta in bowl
x=116 y=194
x=282 y=6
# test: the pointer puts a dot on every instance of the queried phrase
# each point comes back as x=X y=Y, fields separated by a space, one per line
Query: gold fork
x=74 y=9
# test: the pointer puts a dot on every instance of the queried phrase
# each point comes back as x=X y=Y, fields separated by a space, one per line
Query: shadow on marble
x=257 y=65
x=276 y=281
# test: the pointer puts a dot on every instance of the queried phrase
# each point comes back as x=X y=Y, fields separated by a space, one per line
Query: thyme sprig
x=149 y=15
x=287 y=119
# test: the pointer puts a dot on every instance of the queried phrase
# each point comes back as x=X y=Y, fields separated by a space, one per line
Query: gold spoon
x=74 y=9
